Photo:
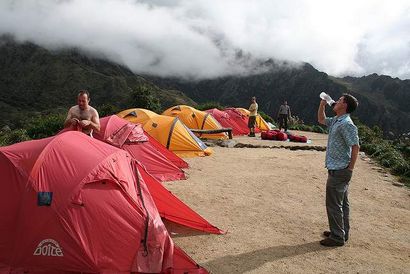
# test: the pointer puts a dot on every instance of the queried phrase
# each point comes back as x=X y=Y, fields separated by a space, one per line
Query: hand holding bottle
x=327 y=98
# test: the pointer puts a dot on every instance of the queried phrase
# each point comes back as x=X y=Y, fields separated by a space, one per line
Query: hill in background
x=34 y=80
x=383 y=100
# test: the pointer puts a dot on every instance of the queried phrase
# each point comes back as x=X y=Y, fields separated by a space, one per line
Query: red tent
x=231 y=118
x=173 y=209
x=131 y=137
x=175 y=159
x=72 y=203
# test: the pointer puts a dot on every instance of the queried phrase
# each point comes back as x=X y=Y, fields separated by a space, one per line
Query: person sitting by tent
x=253 y=108
x=83 y=117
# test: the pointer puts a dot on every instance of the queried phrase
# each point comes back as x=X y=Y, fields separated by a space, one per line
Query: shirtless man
x=83 y=117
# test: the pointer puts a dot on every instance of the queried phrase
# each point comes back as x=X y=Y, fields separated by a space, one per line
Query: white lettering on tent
x=48 y=247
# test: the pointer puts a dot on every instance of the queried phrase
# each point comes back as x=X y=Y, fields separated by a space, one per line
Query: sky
x=204 y=38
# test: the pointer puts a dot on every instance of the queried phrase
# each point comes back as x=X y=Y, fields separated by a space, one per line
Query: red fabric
x=269 y=135
x=298 y=138
x=231 y=118
x=131 y=137
x=97 y=216
x=183 y=263
x=274 y=135
x=173 y=209
x=157 y=167
x=240 y=120
x=281 y=136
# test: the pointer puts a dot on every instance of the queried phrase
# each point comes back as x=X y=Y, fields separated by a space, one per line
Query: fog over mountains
x=224 y=51
x=200 y=39
x=34 y=80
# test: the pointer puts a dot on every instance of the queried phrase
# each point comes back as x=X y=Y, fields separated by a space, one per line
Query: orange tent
x=196 y=119
x=169 y=131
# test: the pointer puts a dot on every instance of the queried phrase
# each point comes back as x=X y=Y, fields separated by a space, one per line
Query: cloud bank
x=203 y=38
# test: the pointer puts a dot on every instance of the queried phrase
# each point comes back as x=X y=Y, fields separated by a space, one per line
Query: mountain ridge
x=34 y=80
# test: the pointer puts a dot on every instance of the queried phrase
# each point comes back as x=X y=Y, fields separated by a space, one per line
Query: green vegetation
x=143 y=97
x=45 y=126
x=392 y=154
x=9 y=137
x=266 y=117
x=210 y=105
x=35 y=81
x=297 y=124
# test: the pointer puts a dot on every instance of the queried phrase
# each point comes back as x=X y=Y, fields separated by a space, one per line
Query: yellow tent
x=169 y=131
x=260 y=122
x=137 y=115
x=196 y=119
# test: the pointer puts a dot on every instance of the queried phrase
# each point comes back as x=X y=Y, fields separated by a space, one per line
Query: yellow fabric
x=159 y=127
x=260 y=122
x=194 y=119
x=137 y=115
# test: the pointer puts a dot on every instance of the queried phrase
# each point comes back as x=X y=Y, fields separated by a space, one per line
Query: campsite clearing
x=271 y=202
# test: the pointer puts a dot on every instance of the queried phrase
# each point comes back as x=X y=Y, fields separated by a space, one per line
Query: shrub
x=210 y=105
x=144 y=97
x=45 y=125
x=107 y=110
x=266 y=117
x=13 y=136
x=390 y=154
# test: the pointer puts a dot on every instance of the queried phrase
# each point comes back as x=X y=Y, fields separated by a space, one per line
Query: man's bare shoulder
x=74 y=109
x=93 y=110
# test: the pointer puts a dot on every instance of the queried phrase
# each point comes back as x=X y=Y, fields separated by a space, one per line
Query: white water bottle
x=327 y=98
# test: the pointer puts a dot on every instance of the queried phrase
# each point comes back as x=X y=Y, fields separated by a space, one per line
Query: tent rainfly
x=131 y=137
x=71 y=203
x=169 y=131
x=197 y=119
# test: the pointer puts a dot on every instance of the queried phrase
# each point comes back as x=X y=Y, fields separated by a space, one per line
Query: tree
x=144 y=97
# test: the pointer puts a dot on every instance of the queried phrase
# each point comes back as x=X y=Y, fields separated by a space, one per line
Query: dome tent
x=231 y=118
x=137 y=115
x=196 y=119
x=131 y=137
x=169 y=131
x=168 y=205
x=73 y=203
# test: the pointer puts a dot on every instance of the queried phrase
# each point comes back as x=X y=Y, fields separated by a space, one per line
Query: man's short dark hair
x=84 y=91
x=351 y=102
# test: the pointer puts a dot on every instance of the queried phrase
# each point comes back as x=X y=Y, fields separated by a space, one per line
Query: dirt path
x=271 y=202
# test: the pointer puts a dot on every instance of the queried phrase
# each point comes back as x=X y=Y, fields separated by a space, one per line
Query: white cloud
x=199 y=38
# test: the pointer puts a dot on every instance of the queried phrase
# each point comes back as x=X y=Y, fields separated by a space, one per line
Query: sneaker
x=327 y=234
x=330 y=242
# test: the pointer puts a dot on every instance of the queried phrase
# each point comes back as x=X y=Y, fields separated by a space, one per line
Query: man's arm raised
x=321 y=115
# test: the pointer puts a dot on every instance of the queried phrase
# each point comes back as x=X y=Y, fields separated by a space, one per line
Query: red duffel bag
x=281 y=136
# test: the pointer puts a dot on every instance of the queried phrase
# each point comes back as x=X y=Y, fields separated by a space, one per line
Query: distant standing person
x=284 y=115
x=341 y=154
x=83 y=117
x=253 y=108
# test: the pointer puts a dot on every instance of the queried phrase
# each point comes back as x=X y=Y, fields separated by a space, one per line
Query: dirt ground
x=271 y=203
